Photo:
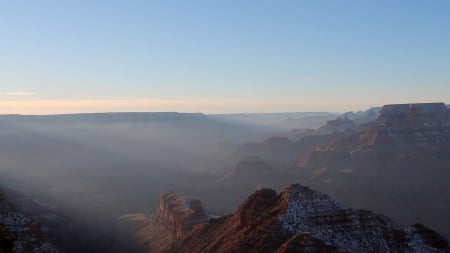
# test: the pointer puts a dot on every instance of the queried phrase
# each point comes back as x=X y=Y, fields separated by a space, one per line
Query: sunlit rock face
x=296 y=220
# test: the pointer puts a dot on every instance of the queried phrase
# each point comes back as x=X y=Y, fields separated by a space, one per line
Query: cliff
x=415 y=115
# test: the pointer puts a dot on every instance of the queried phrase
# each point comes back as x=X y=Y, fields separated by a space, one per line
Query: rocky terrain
x=396 y=164
x=296 y=220
x=20 y=233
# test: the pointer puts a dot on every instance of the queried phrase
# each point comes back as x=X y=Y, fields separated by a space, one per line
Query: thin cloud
x=20 y=93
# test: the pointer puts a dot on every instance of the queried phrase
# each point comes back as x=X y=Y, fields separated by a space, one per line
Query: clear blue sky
x=221 y=56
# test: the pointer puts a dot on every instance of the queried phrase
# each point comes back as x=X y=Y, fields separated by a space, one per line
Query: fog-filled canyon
x=88 y=169
x=79 y=175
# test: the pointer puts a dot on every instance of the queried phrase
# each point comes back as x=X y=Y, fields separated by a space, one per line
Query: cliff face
x=415 y=115
x=411 y=125
x=302 y=220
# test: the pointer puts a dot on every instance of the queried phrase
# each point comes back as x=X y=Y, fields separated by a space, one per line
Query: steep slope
x=297 y=220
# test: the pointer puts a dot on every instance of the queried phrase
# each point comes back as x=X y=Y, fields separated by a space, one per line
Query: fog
x=78 y=174
x=92 y=168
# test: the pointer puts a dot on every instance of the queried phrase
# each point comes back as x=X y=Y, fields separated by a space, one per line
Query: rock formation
x=397 y=164
x=20 y=233
x=174 y=217
x=296 y=220
x=404 y=152
x=336 y=125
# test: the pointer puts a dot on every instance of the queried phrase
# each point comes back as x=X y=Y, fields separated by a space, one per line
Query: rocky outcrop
x=302 y=220
x=180 y=213
x=174 y=217
x=20 y=233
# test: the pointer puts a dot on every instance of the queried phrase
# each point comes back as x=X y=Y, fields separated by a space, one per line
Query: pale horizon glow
x=207 y=106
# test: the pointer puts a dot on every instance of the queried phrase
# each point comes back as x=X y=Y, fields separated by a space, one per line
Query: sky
x=221 y=56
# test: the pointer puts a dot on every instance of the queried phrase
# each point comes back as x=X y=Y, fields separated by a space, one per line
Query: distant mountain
x=297 y=220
